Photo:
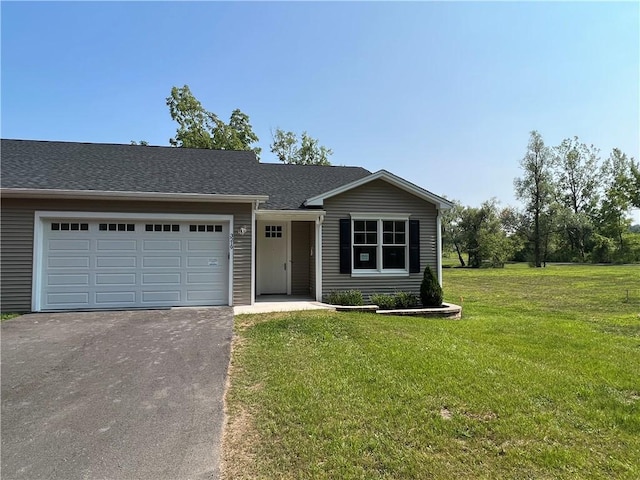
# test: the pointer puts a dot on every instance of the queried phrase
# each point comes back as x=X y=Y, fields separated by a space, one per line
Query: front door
x=272 y=257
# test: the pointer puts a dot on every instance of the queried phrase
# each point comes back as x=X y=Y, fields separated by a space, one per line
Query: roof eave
x=441 y=203
x=124 y=195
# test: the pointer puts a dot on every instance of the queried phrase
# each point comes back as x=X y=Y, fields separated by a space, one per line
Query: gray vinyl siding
x=300 y=259
x=380 y=197
x=17 y=240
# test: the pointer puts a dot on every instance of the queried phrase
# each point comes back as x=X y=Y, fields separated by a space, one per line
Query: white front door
x=272 y=257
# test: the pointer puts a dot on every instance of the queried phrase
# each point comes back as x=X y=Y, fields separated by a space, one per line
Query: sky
x=443 y=94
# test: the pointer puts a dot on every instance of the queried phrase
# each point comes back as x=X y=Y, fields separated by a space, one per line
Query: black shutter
x=414 y=246
x=345 y=245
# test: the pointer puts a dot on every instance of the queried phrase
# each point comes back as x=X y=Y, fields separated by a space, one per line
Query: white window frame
x=379 y=271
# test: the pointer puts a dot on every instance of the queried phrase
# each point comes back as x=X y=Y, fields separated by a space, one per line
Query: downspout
x=439 y=246
x=253 y=250
x=319 y=222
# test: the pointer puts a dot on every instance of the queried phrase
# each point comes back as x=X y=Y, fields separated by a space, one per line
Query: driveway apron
x=118 y=395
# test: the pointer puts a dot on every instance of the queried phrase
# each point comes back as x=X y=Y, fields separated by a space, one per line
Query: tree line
x=200 y=128
x=575 y=209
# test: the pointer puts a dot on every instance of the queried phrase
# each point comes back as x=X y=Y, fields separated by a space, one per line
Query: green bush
x=346 y=297
x=384 y=301
x=430 y=289
x=406 y=300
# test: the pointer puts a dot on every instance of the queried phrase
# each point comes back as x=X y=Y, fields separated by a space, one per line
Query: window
x=117 y=227
x=388 y=245
x=161 y=227
x=70 y=226
x=273 y=231
x=205 y=228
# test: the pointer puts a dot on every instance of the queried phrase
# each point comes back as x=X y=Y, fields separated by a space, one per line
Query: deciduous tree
x=304 y=151
x=199 y=128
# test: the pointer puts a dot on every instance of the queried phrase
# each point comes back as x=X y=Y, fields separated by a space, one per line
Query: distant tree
x=144 y=143
x=576 y=188
x=452 y=232
x=535 y=189
x=483 y=236
x=199 y=128
x=304 y=151
x=618 y=196
x=634 y=184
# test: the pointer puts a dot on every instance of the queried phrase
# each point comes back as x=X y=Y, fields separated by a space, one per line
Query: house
x=97 y=226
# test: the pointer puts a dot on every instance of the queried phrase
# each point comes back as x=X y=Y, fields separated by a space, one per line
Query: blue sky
x=443 y=94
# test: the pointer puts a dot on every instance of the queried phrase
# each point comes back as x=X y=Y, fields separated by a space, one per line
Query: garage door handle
x=285 y=266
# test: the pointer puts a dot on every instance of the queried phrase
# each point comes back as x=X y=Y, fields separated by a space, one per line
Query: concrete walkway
x=281 y=303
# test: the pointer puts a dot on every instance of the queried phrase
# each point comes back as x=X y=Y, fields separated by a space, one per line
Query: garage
x=93 y=261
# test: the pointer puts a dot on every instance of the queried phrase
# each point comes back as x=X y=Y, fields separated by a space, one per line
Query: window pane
x=364 y=257
x=372 y=226
x=393 y=257
x=358 y=226
x=388 y=238
x=399 y=238
x=400 y=226
x=372 y=238
x=387 y=226
x=358 y=238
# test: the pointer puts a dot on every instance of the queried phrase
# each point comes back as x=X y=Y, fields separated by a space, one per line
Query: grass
x=541 y=379
x=8 y=316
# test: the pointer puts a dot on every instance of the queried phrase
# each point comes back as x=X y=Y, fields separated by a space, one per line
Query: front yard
x=541 y=379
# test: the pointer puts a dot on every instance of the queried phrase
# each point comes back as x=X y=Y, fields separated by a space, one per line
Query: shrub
x=346 y=297
x=406 y=300
x=430 y=289
x=384 y=301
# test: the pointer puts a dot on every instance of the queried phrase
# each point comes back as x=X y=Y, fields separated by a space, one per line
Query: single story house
x=98 y=226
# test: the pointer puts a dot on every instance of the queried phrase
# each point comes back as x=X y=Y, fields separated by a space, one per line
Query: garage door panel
x=203 y=295
x=119 y=298
x=206 y=244
x=115 y=278
x=67 y=279
x=65 y=262
x=117 y=245
x=134 y=267
x=68 y=298
x=115 y=261
x=161 y=262
x=161 y=297
x=161 y=278
x=66 y=245
x=162 y=245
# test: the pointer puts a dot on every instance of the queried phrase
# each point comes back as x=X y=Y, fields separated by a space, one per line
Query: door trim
x=38 y=238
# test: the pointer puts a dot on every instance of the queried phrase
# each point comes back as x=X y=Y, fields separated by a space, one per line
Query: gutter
x=124 y=195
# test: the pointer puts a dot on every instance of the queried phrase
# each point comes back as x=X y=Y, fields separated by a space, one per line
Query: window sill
x=373 y=274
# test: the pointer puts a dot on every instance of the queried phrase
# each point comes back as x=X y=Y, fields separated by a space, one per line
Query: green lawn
x=541 y=379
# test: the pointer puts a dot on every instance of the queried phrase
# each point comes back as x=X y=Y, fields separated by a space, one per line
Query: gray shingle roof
x=130 y=168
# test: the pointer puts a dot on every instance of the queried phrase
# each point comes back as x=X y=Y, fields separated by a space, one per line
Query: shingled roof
x=29 y=164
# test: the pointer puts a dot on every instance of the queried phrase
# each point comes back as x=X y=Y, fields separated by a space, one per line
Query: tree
x=144 y=143
x=576 y=188
x=305 y=151
x=483 y=236
x=199 y=128
x=618 y=196
x=535 y=188
x=452 y=233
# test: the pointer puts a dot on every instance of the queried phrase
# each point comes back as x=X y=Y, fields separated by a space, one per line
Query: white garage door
x=93 y=263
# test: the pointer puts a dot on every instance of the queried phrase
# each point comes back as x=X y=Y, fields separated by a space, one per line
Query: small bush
x=346 y=297
x=430 y=289
x=384 y=301
x=406 y=300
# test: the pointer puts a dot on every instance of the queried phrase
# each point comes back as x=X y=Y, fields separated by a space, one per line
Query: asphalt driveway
x=118 y=395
